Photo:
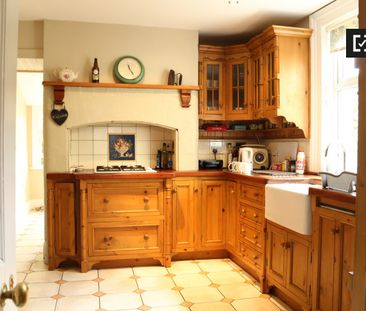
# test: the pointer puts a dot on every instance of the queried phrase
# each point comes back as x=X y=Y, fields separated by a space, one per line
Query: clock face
x=128 y=69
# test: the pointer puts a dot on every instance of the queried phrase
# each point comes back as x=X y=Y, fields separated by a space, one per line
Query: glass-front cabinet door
x=257 y=84
x=237 y=93
x=271 y=81
x=213 y=88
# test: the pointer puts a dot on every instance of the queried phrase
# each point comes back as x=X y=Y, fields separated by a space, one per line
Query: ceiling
x=232 y=20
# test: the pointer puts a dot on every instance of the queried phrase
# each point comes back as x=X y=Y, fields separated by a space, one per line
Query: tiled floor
x=202 y=285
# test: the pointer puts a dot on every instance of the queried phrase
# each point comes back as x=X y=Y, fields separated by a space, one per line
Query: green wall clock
x=128 y=69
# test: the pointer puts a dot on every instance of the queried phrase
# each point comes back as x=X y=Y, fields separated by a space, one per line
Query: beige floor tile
x=39 y=266
x=43 y=276
x=39 y=257
x=170 y=308
x=191 y=280
x=40 y=304
x=184 y=267
x=29 y=242
x=78 y=288
x=155 y=283
x=76 y=275
x=201 y=294
x=117 y=285
x=43 y=290
x=25 y=257
x=161 y=298
x=28 y=250
x=115 y=273
x=215 y=265
x=239 y=291
x=254 y=304
x=23 y=266
x=79 y=303
x=150 y=271
x=214 y=306
x=280 y=304
x=227 y=277
x=120 y=301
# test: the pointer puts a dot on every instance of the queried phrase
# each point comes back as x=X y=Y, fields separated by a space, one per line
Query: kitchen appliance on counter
x=210 y=164
x=255 y=154
x=123 y=169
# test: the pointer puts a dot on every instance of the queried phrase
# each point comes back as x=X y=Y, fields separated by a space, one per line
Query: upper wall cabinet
x=280 y=73
x=264 y=78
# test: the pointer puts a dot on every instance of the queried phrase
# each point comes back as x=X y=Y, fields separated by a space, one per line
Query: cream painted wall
x=75 y=45
x=30 y=39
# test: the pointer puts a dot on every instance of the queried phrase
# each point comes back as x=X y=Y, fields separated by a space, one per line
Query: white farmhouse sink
x=288 y=205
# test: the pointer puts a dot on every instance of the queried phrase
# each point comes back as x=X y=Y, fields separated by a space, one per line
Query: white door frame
x=8 y=54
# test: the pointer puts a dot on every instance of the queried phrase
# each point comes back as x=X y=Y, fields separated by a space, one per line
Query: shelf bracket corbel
x=185 y=97
x=58 y=94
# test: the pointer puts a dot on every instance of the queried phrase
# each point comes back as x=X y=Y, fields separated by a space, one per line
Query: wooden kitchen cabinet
x=333 y=247
x=232 y=216
x=212 y=82
x=213 y=214
x=280 y=74
x=185 y=214
x=288 y=258
x=122 y=219
x=61 y=222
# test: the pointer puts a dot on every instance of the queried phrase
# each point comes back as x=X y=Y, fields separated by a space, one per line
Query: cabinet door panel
x=298 y=266
x=326 y=258
x=231 y=216
x=184 y=215
x=276 y=256
x=213 y=224
x=65 y=219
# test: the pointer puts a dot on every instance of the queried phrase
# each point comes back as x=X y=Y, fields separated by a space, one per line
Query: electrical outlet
x=218 y=145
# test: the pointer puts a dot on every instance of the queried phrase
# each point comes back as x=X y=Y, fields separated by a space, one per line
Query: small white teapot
x=66 y=74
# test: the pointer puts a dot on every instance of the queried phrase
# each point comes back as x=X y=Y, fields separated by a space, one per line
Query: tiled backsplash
x=280 y=150
x=88 y=146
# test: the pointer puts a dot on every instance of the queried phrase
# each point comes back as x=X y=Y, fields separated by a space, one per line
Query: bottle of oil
x=95 y=71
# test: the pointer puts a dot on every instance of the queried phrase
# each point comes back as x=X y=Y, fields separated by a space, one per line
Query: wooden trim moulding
x=59 y=89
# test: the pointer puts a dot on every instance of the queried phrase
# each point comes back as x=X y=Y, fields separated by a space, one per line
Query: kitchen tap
x=339 y=145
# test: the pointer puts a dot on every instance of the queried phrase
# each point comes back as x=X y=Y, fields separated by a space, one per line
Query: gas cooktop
x=123 y=169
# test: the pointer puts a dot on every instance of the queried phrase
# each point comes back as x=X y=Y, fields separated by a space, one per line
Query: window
x=334 y=127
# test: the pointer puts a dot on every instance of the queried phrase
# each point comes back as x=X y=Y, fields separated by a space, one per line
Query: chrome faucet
x=344 y=153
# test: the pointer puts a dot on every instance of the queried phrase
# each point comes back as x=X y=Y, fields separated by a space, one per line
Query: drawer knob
x=255 y=236
x=232 y=191
x=146 y=237
x=195 y=189
x=107 y=238
x=255 y=257
x=243 y=210
x=242 y=230
x=105 y=200
x=256 y=194
x=255 y=215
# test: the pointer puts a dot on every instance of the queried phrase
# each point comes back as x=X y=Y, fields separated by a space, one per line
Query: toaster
x=255 y=154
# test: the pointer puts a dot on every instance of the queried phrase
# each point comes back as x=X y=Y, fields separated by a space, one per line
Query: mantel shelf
x=59 y=89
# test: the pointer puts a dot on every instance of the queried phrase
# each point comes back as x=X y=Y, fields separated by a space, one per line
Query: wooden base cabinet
x=232 y=217
x=288 y=258
x=61 y=222
x=198 y=214
x=122 y=220
x=333 y=242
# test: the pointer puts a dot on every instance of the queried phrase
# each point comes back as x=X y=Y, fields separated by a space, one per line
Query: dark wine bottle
x=95 y=71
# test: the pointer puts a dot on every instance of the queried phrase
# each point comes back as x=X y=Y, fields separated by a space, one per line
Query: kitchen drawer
x=113 y=200
x=115 y=239
x=251 y=213
x=252 y=236
x=252 y=194
x=251 y=256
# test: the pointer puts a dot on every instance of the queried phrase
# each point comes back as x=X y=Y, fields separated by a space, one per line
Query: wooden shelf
x=59 y=89
x=278 y=133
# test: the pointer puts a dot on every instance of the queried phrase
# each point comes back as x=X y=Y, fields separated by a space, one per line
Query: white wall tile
x=74 y=147
x=114 y=129
x=130 y=129
x=73 y=160
x=142 y=133
x=142 y=147
x=143 y=160
x=86 y=133
x=157 y=133
x=100 y=160
x=100 y=133
x=74 y=134
x=86 y=161
x=155 y=146
x=203 y=147
x=100 y=147
x=85 y=147
x=169 y=134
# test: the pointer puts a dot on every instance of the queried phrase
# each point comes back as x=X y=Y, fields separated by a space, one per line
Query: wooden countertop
x=335 y=195
x=167 y=174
